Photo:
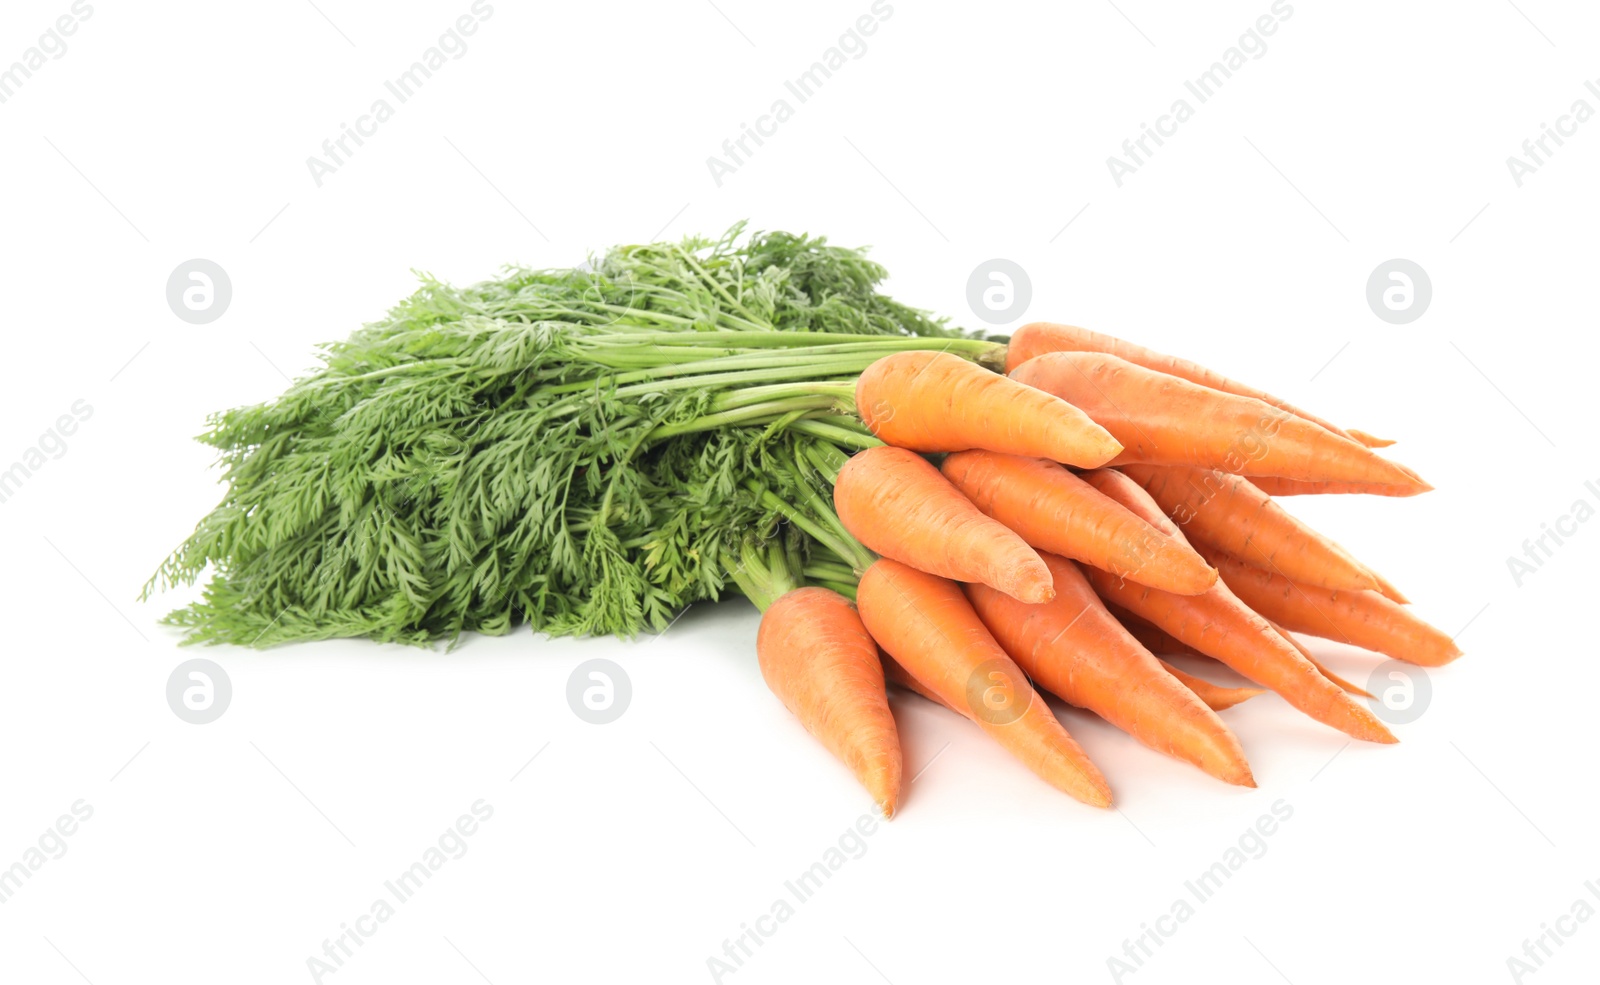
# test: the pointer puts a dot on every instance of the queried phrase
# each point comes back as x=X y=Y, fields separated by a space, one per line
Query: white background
x=630 y=852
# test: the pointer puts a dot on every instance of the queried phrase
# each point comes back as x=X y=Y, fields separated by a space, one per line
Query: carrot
x=1274 y=485
x=1219 y=625
x=927 y=625
x=898 y=675
x=818 y=658
x=1369 y=440
x=1226 y=511
x=1216 y=697
x=898 y=505
x=1054 y=510
x=1387 y=589
x=1322 y=668
x=1162 y=420
x=936 y=402
x=1042 y=337
x=1364 y=619
x=1072 y=647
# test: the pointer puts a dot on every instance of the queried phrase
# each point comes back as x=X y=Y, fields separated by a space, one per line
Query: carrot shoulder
x=818 y=658
x=1163 y=420
x=1072 y=647
x=1054 y=510
x=936 y=402
x=1219 y=625
x=1364 y=619
x=930 y=629
x=897 y=504
x=1227 y=511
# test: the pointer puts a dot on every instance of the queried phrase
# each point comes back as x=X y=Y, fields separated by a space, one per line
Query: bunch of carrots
x=1056 y=527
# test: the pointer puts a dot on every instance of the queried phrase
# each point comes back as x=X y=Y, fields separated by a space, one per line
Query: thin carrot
x=1054 y=510
x=1387 y=588
x=1042 y=337
x=1216 y=696
x=1364 y=619
x=1322 y=668
x=898 y=675
x=1162 y=420
x=1072 y=647
x=928 y=626
x=898 y=505
x=818 y=658
x=936 y=402
x=1219 y=625
x=1369 y=440
x=1228 y=512
x=1275 y=485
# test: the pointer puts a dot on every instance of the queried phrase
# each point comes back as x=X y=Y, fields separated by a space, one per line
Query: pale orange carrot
x=1216 y=696
x=1162 y=420
x=1364 y=619
x=898 y=505
x=936 y=402
x=1322 y=668
x=1072 y=647
x=1054 y=510
x=1228 y=512
x=1387 y=588
x=1274 y=485
x=1369 y=440
x=1042 y=337
x=929 y=628
x=818 y=658
x=1219 y=625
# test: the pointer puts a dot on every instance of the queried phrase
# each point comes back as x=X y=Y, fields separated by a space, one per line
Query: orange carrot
x=1219 y=625
x=1072 y=647
x=817 y=657
x=936 y=402
x=1162 y=420
x=1054 y=510
x=928 y=626
x=1364 y=619
x=1367 y=439
x=1216 y=697
x=898 y=505
x=1274 y=485
x=1042 y=337
x=1322 y=668
x=898 y=675
x=1387 y=588
x=1226 y=511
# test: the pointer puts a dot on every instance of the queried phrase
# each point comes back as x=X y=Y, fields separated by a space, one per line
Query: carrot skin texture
x=936 y=402
x=817 y=657
x=1364 y=619
x=1276 y=485
x=898 y=505
x=1220 y=625
x=1163 y=420
x=1228 y=512
x=1041 y=337
x=1216 y=697
x=929 y=628
x=1072 y=647
x=1055 y=511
